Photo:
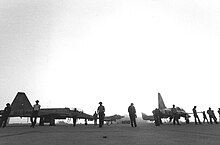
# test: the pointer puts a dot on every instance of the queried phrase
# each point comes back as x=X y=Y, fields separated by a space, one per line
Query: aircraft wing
x=82 y=115
x=63 y=113
x=147 y=117
x=56 y=113
x=113 y=117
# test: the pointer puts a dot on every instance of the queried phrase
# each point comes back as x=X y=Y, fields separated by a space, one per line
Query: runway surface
x=116 y=134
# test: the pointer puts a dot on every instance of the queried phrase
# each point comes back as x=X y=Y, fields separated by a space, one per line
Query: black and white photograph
x=112 y=72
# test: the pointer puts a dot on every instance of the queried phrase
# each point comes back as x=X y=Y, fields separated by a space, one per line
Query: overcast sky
x=75 y=53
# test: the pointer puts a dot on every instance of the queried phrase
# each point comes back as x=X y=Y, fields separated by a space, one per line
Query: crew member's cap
x=8 y=104
x=132 y=103
x=37 y=101
x=100 y=102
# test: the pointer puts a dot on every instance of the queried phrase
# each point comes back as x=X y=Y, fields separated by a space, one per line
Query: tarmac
x=115 y=134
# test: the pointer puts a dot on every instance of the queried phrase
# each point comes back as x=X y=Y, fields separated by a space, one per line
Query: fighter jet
x=166 y=112
x=21 y=107
x=110 y=119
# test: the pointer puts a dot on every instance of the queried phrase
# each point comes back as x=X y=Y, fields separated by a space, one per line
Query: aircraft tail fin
x=161 y=104
x=21 y=105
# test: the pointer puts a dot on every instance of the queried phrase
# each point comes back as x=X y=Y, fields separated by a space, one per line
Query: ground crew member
x=101 y=113
x=219 y=113
x=86 y=122
x=196 y=115
x=132 y=115
x=204 y=117
x=5 y=115
x=187 y=118
x=209 y=112
x=74 y=114
x=156 y=114
x=175 y=115
x=95 y=116
x=36 y=109
x=160 y=116
x=212 y=116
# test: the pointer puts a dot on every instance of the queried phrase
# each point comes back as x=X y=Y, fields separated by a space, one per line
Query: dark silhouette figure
x=175 y=115
x=132 y=115
x=156 y=114
x=187 y=118
x=74 y=114
x=160 y=116
x=196 y=115
x=101 y=113
x=212 y=116
x=5 y=115
x=86 y=122
x=219 y=113
x=204 y=117
x=95 y=116
x=34 y=115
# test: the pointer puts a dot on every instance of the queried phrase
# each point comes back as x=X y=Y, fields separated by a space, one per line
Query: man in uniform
x=204 y=117
x=175 y=115
x=214 y=117
x=95 y=116
x=101 y=113
x=196 y=115
x=219 y=113
x=211 y=114
x=132 y=115
x=36 y=109
x=74 y=114
x=5 y=115
x=156 y=114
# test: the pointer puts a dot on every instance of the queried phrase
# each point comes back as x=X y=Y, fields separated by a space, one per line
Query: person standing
x=196 y=115
x=74 y=114
x=5 y=115
x=34 y=115
x=132 y=115
x=219 y=113
x=101 y=113
x=175 y=115
x=204 y=117
x=156 y=114
x=95 y=116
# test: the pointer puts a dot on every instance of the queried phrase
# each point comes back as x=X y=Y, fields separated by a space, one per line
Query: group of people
x=7 y=111
x=131 y=110
x=158 y=115
x=101 y=114
x=175 y=116
x=210 y=112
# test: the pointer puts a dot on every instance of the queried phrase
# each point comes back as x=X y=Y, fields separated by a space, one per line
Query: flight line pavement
x=116 y=134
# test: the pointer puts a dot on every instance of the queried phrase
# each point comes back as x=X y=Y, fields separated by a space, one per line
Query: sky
x=76 y=53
